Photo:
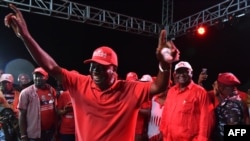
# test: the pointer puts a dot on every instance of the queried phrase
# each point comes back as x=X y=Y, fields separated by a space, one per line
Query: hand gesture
x=16 y=21
x=166 y=50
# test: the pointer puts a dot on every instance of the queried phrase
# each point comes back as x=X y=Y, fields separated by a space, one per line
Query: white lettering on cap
x=100 y=53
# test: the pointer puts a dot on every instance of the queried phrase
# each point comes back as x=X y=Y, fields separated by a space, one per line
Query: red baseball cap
x=42 y=71
x=104 y=55
x=228 y=78
x=132 y=76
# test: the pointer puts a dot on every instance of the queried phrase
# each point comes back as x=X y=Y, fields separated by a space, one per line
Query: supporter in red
x=229 y=80
x=8 y=99
x=66 y=114
x=143 y=115
x=105 y=108
x=157 y=106
x=231 y=110
x=140 y=129
x=10 y=94
x=188 y=113
x=67 y=122
x=37 y=114
x=132 y=76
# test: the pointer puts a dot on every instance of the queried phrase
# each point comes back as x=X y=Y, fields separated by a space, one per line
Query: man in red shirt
x=67 y=120
x=37 y=108
x=105 y=108
x=143 y=115
x=188 y=113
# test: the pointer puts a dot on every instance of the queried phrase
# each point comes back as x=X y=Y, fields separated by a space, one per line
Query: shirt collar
x=112 y=87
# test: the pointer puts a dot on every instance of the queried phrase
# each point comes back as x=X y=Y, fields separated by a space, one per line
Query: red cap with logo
x=132 y=76
x=104 y=55
x=228 y=78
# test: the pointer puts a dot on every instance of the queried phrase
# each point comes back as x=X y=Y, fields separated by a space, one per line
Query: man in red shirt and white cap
x=188 y=113
x=105 y=108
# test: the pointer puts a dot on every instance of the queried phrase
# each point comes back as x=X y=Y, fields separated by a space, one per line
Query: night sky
x=69 y=43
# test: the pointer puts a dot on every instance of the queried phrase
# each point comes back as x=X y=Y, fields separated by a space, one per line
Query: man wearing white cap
x=188 y=114
x=8 y=99
x=6 y=86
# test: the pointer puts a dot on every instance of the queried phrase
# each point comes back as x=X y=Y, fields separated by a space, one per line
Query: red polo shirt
x=105 y=115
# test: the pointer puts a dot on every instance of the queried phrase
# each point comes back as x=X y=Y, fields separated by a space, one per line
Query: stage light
x=240 y=15
x=201 y=30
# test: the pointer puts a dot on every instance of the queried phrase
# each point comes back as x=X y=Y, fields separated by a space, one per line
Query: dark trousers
x=47 y=135
x=67 y=137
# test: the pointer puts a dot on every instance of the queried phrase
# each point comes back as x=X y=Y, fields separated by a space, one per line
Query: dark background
x=69 y=43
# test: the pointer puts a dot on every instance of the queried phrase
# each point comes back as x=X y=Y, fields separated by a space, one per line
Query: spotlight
x=201 y=30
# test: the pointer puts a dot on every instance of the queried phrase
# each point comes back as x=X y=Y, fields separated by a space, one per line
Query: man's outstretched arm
x=43 y=59
x=166 y=58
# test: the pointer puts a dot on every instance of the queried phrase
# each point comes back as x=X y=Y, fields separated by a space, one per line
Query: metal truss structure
x=65 y=9
x=167 y=12
x=210 y=16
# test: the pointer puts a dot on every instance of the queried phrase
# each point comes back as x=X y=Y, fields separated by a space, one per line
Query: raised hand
x=175 y=53
x=16 y=21
x=166 y=50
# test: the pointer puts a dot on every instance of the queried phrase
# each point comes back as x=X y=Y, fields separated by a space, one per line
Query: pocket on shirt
x=187 y=107
x=188 y=118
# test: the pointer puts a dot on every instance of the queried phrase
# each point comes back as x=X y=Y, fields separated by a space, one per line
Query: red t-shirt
x=47 y=106
x=142 y=118
x=105 y=115
x=67 y=125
